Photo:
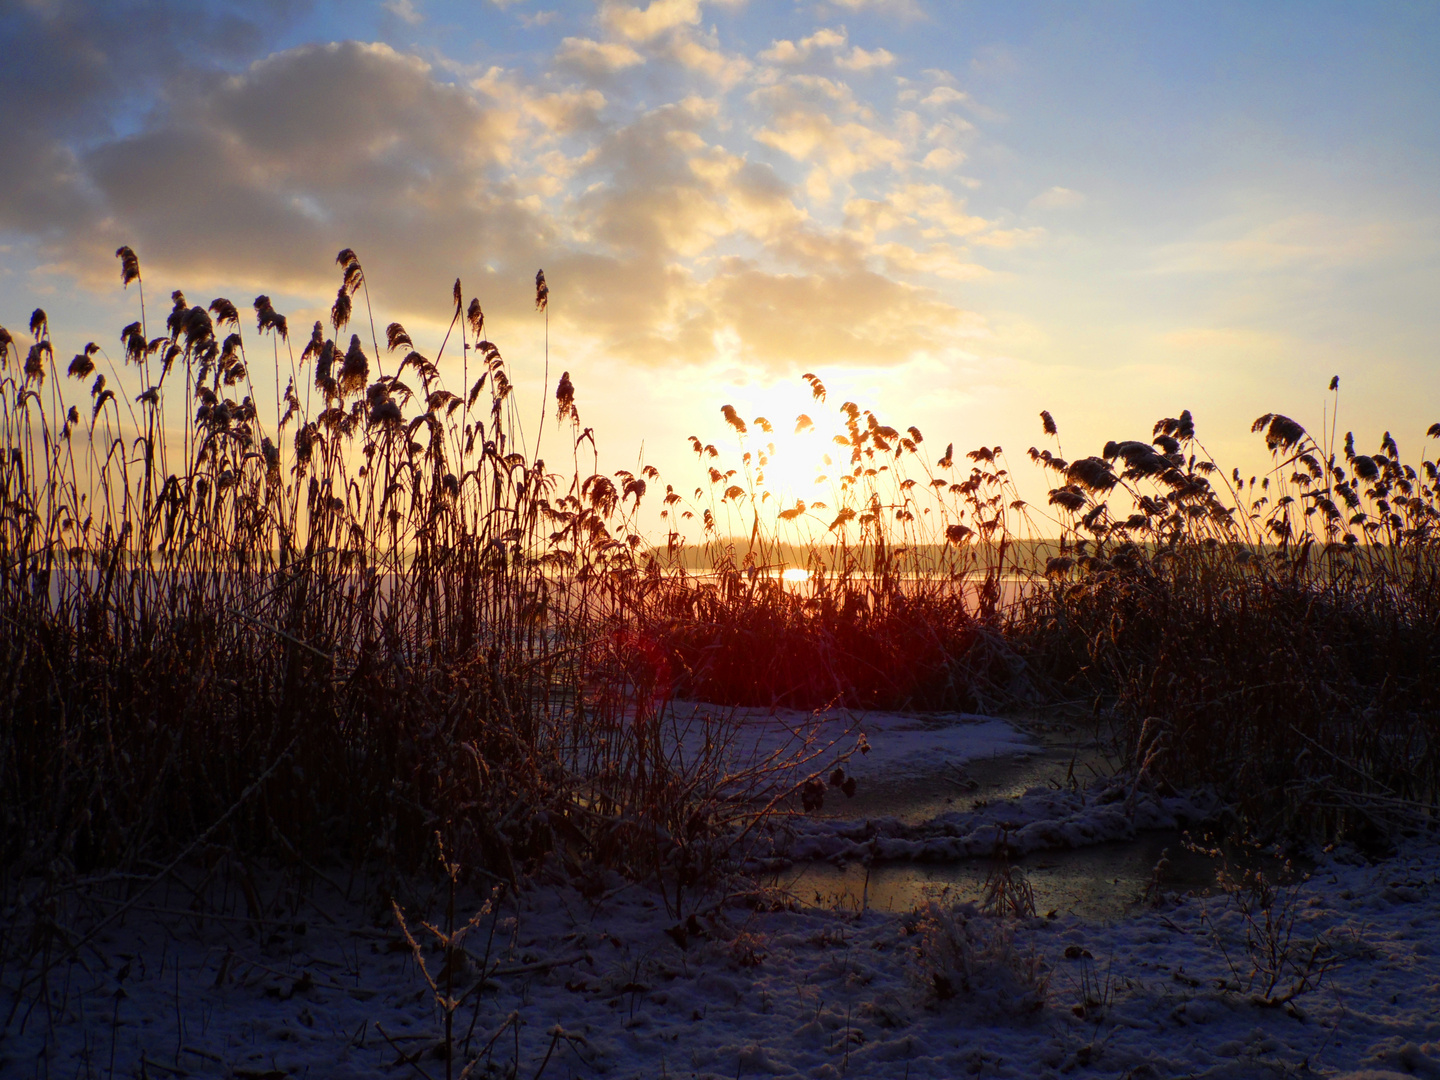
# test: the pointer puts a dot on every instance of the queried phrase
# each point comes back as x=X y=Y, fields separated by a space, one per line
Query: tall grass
x=377 y=615
x=341 y=629
x=905 y=567
x=1277 y=637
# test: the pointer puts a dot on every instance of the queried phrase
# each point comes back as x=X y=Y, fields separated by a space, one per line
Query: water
x=1062 y=751
x=1100 y=883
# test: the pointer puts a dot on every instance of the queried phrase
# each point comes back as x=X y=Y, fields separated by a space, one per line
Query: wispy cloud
x=1057 y=198
x=637 y=23
x=1312 y=241
x=831 y=46
x=404 y=10
x=858 y=59
x=595 y=57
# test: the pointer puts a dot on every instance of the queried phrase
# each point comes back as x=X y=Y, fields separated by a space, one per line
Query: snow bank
x=612 y=985
x=1043 y=818
x=896 y=743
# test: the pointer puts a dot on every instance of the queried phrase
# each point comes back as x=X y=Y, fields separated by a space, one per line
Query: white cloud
x=942 y=159
x=1011 y=238
x=788 y=52
x=726 y=69
x=939 y=260
x=1057 y=198
x=643 y=24
x=860 y=59
x=595 y=57
x=932 y=210
x=665 y=232
x=404 y=10
x=818 y=120
x=830 y=43
x=564 y=112
x=945 y=95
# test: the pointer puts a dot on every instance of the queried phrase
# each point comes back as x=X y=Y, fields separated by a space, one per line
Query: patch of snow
x=895 y=743
x=1043 y=818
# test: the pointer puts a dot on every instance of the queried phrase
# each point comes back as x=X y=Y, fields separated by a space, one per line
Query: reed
x=1275 y=637
x=907 y=569
x=378 y=617
x=369 y=620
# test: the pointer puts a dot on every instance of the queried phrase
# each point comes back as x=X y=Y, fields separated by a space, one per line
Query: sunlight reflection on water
x=1102 y=882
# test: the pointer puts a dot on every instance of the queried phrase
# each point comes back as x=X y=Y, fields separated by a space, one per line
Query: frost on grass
x=961 y=953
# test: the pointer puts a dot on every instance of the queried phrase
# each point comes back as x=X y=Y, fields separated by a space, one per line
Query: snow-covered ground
x=809 y=993
x=895 y=743
x=573 y=978
x=1042 y=818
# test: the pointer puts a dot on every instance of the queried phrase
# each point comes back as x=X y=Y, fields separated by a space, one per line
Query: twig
x=408 y=1059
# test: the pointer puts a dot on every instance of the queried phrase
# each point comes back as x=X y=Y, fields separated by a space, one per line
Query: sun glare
x=795 y=465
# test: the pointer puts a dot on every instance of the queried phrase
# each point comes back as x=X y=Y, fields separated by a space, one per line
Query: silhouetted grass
x=343 y=630
x=1277 y=637
x=377 y=617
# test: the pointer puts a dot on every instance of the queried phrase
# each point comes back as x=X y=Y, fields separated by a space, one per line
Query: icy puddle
x=937 y=795
x=1100 y=883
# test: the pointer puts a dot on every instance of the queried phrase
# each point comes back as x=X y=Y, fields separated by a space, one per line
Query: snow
x=897 y=746
x=595 y=977
x=806 y=992
x=894 y=743
x=1040 y=819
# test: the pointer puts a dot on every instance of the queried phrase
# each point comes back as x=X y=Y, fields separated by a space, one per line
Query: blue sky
x=958 y=213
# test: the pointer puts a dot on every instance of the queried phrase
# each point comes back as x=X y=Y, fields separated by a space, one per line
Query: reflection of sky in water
x=1102 y=883
x=1098 y=882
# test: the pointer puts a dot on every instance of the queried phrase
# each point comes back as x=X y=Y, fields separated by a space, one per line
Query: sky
x=955 y=213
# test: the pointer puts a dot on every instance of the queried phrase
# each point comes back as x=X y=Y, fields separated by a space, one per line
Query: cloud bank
x=690 y=204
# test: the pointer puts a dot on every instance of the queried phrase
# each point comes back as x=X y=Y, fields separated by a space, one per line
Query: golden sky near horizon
x=956 y=214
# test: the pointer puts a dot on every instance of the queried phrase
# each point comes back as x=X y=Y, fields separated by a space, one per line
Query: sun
x=792 y=462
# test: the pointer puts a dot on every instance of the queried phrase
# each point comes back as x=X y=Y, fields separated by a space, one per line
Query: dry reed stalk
x=375 y=579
